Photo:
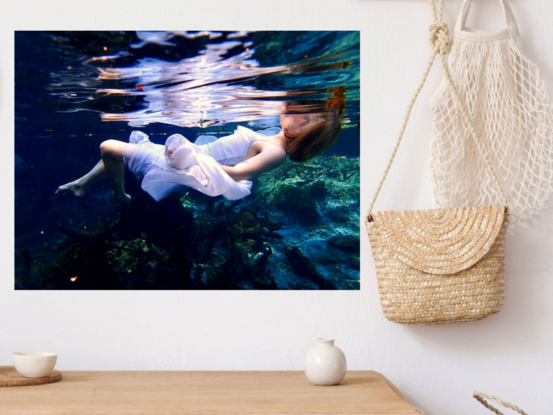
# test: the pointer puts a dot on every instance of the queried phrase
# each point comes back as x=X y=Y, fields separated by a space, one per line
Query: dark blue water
x=77 y=89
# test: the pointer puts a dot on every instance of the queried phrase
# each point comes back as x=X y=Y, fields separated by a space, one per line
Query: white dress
x=195 y=165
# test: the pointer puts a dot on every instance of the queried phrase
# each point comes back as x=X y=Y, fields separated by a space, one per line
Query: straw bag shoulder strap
x=481 y=397
x=441 y=45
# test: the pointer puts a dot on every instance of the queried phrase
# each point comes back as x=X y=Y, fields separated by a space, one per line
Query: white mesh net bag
x=508 y=103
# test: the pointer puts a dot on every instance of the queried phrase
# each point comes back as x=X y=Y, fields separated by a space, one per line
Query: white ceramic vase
x=325 y=364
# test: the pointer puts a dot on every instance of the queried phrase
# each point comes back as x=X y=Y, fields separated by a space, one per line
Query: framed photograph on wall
x=177 y=160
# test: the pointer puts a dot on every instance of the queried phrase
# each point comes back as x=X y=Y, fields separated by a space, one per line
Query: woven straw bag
x=442 y=265
x=481 y=397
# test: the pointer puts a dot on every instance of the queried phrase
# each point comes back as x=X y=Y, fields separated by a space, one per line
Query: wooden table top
x=213 y=393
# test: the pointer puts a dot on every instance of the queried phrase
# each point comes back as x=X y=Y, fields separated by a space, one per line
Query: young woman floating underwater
x=220 y=167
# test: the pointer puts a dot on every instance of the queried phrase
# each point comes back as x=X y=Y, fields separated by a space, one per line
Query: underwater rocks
x=296 y=202
x=235 y=253
x=304 y=268
x=165 y=222
x=146 y=245
x=317 y=189
x=138 y=259
x=346 y=243
x=297 y=230
x=240 y=265
x=332 y=184
x=338 y=215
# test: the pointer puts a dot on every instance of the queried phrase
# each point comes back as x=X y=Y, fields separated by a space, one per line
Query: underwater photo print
x=202 y=160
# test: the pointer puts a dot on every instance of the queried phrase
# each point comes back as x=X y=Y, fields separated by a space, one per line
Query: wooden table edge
x=398 y=393
x=67 y=377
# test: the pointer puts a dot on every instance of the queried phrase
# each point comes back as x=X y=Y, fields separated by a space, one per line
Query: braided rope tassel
x=441 y=45
x=481 y=397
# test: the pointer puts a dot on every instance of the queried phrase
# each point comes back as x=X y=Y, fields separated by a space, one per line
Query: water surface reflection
x=212 y=78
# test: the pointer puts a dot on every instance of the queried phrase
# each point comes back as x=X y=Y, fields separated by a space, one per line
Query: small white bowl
x=34 y=364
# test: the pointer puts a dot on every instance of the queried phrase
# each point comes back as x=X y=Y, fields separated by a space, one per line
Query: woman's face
x=293 y=124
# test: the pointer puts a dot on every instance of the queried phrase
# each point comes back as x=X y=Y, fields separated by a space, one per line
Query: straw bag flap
x=438 y=241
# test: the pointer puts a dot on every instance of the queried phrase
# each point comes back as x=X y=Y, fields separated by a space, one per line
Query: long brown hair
x=322 y=130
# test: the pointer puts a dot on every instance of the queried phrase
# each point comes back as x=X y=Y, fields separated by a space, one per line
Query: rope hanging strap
x=481 y=397
x=441 y=45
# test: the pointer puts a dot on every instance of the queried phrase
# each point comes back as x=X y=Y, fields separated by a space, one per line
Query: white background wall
x=437 y=368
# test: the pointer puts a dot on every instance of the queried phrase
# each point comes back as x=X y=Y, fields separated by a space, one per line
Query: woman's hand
x=182 y=157
x=173 y=143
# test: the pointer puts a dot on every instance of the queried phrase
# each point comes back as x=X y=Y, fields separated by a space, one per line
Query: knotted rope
x=439 y=38
x=441 y=45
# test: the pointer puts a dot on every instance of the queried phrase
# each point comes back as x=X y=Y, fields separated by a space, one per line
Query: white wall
x=437 y=368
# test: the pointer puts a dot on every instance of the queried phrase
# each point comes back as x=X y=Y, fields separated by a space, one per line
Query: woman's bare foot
x=74 y=187
x=122 y=198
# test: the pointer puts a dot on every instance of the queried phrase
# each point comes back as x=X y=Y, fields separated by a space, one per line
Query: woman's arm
x=268 y=159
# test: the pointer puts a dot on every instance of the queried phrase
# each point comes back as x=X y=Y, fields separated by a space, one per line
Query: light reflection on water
x=225 y=79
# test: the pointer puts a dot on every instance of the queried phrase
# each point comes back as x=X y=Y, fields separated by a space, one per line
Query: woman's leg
x=78 y=186
x=110 y=166
x=112 y=156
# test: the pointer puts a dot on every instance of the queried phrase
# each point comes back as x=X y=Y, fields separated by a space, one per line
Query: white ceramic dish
x=34 y=364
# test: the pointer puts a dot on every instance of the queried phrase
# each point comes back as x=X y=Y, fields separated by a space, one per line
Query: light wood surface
x=10 y=377
x=213 y=393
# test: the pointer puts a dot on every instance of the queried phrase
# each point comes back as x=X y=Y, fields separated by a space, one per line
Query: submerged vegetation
x=299 y=229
